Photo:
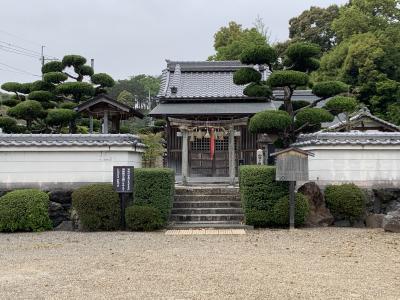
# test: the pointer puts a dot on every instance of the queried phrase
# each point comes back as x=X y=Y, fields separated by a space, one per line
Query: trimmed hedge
x=24 y=210
x=143 y=218
x=155 y=187
x=281 y=210
x=346 y=200
x=97 y=206
x=259 y=193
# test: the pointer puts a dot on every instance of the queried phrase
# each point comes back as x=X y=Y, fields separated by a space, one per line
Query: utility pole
x=92 y=63
x=42 y=59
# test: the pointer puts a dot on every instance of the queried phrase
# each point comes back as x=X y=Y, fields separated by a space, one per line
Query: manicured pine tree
x=50 y=101
x=292 y=72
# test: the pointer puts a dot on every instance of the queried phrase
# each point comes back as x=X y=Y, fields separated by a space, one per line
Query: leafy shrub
x=11 y=86
x=281 y=210
x=313 y=116
x=341 y=104
x=259 y=218
x=60 y=116
x=346 y=200
x=53 y=66
x=73 y=61
x=55 y=77
x=40 y=85
x=328 y=89
x=24 y=210
x=77 y=89
x=288 y=78
x=103 y=79
x=246 y=75
x=143 y=218
x=259 y=192
x=269 y=121
x=41 y=96
x=10 y=102
x=258 y=55
x=8 y=125
x=97 y=206
x=160 y=123
x=155 y=187
x=257 y=90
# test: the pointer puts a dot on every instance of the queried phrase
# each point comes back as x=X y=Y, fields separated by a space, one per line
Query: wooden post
x=105 y=122
x=292 y=203
x=90 y=124
x=231 y=149
x=185 y=156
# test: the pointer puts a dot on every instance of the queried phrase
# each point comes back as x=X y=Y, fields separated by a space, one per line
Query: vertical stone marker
x=292 y=166
x=123 y=182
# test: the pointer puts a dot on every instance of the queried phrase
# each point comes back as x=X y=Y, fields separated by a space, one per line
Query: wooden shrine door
x=200 y=162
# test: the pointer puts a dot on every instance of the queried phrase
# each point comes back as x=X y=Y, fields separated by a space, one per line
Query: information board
x=123 y=179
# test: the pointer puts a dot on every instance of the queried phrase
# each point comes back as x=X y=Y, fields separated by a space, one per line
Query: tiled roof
x=361 y=115
x=201 y=80
x=348 y=138
x=76 y=140
x=236 y=108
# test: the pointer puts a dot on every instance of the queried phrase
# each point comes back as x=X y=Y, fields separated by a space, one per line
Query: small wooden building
x=106 y=108
x=207 y=117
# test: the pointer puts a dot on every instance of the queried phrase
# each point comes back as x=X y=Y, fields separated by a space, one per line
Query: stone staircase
x=206 y=207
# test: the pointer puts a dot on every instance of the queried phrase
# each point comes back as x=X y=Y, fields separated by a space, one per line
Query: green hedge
x=345 y=201
x=155 y=187
x=259 y=194
x=281 y=210
x=24 y=210
x=97 y=206
x=143 y=218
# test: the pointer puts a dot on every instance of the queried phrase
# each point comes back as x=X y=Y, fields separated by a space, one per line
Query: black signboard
x=123 y=179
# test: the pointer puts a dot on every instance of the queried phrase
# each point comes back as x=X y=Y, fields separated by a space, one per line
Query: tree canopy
x=367 y=57
x=315 y=26
x=47 y=105
x=298 y=61
x=232 y=40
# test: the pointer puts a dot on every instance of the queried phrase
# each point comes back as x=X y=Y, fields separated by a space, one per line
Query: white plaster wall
x=62 y=166
x=367 y=166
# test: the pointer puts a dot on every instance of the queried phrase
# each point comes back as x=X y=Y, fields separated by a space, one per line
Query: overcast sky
x=128 y=37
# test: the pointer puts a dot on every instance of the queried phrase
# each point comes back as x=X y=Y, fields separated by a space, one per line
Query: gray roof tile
x=236 y=108
x=79 y=140
x=348 y=138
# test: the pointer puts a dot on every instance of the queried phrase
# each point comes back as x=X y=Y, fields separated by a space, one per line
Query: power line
x=22 y=48
x=18 y=37
x=20 y=70
x=11 y=50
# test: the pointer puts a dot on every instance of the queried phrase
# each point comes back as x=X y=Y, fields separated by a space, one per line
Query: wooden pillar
x=292 y=203
x=105 y=122
x=185 y=156
x=231 y=149
x=90 y=124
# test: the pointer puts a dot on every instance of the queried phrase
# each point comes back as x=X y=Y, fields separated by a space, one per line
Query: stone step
x=215 y=224
x=206 y=211
x=206 y=197
x=206 y=190
x=206 y=204
x=209 y=217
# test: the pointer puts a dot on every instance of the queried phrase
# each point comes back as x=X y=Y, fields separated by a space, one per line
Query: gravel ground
x=328 y=263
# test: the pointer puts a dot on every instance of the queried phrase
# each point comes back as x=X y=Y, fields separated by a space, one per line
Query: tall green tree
x=368 y=55
x=232 y=40
x=362 y=16
x=139 y=86
x=315 y=26
x=299 y=61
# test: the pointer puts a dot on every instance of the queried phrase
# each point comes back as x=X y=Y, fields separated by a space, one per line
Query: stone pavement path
x=204 y=231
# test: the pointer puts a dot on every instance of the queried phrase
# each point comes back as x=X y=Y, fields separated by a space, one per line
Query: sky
x=128 y=37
